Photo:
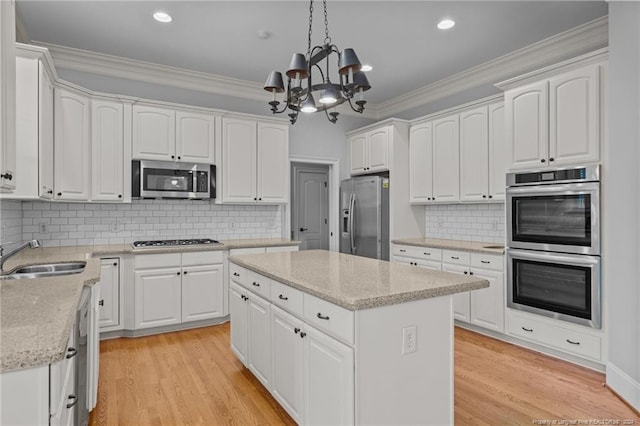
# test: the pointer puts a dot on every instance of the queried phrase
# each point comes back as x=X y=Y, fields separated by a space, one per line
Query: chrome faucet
x=5 y=257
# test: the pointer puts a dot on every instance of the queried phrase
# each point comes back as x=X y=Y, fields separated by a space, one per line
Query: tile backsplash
x=469 y=222
x=71 y=224
x=10 y=221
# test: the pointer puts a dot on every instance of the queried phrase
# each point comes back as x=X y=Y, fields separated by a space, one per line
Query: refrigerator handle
x=352 y=220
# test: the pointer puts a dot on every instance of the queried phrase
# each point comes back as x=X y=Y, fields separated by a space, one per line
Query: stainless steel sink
x=497 y=246
x=46 y=270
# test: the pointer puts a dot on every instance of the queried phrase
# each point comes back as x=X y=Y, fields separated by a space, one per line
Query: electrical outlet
x=437 y=224
x=409 y=339
x=115 y=227
x=43 y=228
x=232 y=225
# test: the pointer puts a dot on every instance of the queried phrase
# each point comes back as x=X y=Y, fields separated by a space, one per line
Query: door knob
x=304 y=229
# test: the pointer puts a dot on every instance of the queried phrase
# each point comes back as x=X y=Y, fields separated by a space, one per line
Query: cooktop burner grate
x=166 y=243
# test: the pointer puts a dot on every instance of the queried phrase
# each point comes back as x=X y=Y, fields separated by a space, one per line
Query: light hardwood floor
x=191 y=377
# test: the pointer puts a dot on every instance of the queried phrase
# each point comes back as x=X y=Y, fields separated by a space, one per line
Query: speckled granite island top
x=355 y=282
x=472 y=246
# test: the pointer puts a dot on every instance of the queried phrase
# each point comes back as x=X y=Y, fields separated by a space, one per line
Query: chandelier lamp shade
x=308 y=92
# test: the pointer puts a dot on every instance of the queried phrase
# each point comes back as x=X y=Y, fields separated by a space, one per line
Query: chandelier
x=350 y=83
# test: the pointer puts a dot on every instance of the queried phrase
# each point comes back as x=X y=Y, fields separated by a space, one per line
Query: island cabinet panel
x=259 y=338
x=239 y=323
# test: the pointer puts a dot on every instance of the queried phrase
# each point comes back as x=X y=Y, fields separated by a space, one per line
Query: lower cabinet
x=174 y=288
x=43 y=395
x=109 y=293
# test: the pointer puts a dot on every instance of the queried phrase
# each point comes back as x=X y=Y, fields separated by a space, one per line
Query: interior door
x=367 y=216
x=311 y=208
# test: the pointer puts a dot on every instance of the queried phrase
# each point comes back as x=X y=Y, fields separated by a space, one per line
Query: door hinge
x=325 y=184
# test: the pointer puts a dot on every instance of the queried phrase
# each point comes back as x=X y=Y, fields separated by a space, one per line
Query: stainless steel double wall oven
x=553 y=239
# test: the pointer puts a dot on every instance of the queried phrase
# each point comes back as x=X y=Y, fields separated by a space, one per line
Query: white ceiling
x=398 y=38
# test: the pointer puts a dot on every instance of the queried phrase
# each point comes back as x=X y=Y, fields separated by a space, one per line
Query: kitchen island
x=340 y=339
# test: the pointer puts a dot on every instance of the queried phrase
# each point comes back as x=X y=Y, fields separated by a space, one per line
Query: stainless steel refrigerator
x=364 y=216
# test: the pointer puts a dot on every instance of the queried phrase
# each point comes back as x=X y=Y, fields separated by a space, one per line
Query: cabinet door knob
x=101 y=302
x=551 y=159
x=542 y=160
x=119 y=195
x=256 y=284
x=235 y=274
x=173 y=156
x=465 y=272
x=115 y=263
x=490 y=196
x=178 y=273
x=184 y=273
x=59 y=194
x=255 y=198
x=50 y=191
x=484 y=196
x=179 y=157
x=471 y=273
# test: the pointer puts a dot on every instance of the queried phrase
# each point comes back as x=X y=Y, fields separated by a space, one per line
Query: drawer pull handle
x=573 y=343
x=71 y=353
x=101 y=302
x=455 y=257
x=485 y=261
x=74 y=399
x=256 y=284
x=302 y=334
x=426 y=253
x=235 y=274
x=281 y=297
x=322 y=317
x=296 y=330
x=402 y=251
x=530 y=330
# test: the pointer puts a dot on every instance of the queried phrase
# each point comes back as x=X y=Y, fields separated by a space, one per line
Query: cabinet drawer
x=333 y=319
x=201 y=258
x=165 y=260
x=425 y=253
x=287 y=297
x=456 y=257
x=238 y=274
x=561 y=338
x=487 y=261
x=259 y=284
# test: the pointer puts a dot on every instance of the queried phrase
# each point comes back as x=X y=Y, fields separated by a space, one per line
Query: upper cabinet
x=370 y=151
x=474 y=154
x=420 y=163
x=446 y=148
x=556 y=120
x=255 y=159
x=107 y=147
x=499 y=161
x=71 y=145
x=8 y=176
x=173 y=135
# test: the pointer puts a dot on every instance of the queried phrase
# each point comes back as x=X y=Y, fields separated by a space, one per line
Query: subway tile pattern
x=10 y=221
x=76 y=224
x=469 y=222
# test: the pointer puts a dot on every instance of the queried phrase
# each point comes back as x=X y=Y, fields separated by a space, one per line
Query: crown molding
x=589 y=36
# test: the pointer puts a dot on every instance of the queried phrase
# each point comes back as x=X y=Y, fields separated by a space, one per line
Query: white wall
x=621 y=202
x=71 y=224
x=467 y=222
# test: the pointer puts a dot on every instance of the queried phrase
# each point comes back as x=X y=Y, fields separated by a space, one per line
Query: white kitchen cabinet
x=446 y=161
x=71 y=145
x=487 y=304
x=474 y=155
x=461 y=306
x=555 y=121
x=328 y=379
x=107 y=150
x=34 y=128
x=238 y=310
x=202 y=292
x=287 y=354
x=420 y=163
x=574 y=116
x=157 y=297
x=167 y=134
x=174 y=288
x=109 y=293
x=254 y=162
x=8 y=143
x=259 y=338
x=370 y=151
x=499 y=152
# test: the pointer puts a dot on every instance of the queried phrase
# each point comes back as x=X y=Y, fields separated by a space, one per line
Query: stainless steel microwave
x=168 y=179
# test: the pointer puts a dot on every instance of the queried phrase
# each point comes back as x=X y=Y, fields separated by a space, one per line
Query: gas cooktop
x=167 y=243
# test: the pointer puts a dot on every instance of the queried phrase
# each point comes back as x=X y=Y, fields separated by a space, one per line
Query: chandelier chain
x=310 y=28
x=327 y=39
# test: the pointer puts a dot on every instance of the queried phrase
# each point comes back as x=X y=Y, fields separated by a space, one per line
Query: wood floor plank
x=192 y=378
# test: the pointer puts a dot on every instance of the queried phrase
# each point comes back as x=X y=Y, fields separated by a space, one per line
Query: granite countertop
x=355 y=282
x=472 y=246
x=36 y=315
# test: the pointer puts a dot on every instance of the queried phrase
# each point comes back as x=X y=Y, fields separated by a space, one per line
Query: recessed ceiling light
x=163 y=17
x=366 y=68
x=445 y=24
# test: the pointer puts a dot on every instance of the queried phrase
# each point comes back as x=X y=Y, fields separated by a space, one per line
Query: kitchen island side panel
x=405 y=389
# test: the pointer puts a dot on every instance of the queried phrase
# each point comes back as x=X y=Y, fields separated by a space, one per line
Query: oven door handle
x=552 y=257
x=559 y=189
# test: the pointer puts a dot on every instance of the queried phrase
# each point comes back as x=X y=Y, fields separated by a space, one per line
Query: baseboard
x=624 y=386
x=165 y=329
